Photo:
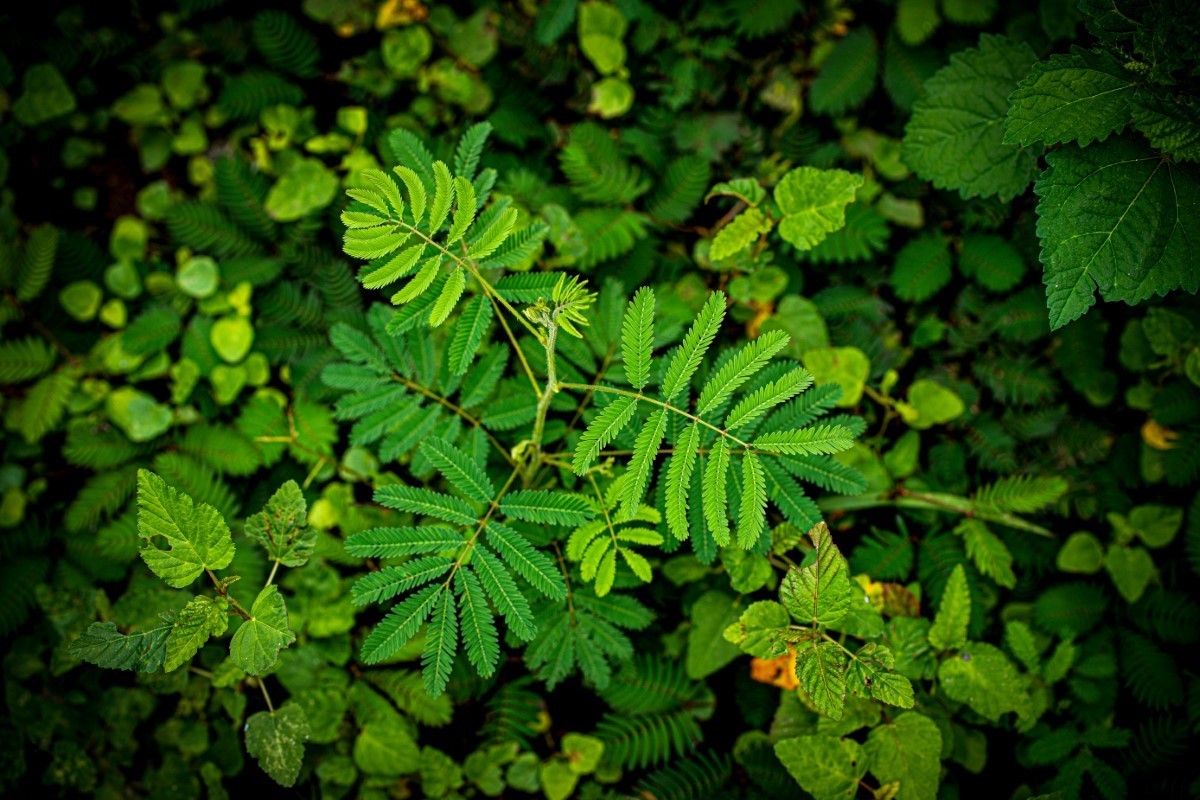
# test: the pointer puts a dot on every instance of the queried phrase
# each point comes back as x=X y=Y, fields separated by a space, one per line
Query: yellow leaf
x=779 y=672
x=1158 y=436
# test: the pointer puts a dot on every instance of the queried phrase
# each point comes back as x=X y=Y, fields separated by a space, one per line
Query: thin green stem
x=490 y=292
x=262 y=684
x=495 y=504
x=472 y=420
x=224 y=592
x=639 y=396
x=547 y=395
x=271 y=577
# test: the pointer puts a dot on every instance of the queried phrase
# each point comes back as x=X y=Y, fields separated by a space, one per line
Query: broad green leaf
x=813 y=202
x=557 y=779
x=385 y=748
x=141 y=651
x=1171 y=123
x=757 y=631
x=748 y=572
x=139 y=416
x=276 y=740
x=256 y=644
x=955 y=137
x=846 y=366
x=707 y=648
x=45 y=95
x=1131 y=570
x=931 y=404
x=982 y=677
x=231 y=338
x=202 y=618
x=282 y=527
x=821 y=668
x=583 y=752
x=1117 y=218
x=825 y=767
x=949 y=629
x=1081 y=97
x=818 y=593
x=907 y=749
x=742 y=231
x=307 y=187
x=1156 y=525
x=195 y=536
x=870 y=675
x=917 y=20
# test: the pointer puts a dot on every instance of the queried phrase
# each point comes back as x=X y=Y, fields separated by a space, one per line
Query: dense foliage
x=600 y=398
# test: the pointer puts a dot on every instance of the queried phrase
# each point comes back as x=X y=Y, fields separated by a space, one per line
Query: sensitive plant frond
x=455 y=569
x=770 y=403
x=401 y=239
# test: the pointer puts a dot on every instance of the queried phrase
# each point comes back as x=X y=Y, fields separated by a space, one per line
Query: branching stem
x=587 y=387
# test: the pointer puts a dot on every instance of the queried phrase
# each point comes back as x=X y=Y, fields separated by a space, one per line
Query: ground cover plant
x=600 y=399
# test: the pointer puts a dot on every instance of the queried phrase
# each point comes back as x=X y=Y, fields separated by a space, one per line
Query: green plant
x=669 y=409
x=182 y=540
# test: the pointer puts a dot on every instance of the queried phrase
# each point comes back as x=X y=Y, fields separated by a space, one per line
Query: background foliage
x=718 y=400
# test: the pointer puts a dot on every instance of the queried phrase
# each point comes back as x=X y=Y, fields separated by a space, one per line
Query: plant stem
x=262 y=684
x=271 y=577
x=473 y=421
x=224 y=592
x=495 y=504
x=543 y=406
x=587 y=387
x=490 y=292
